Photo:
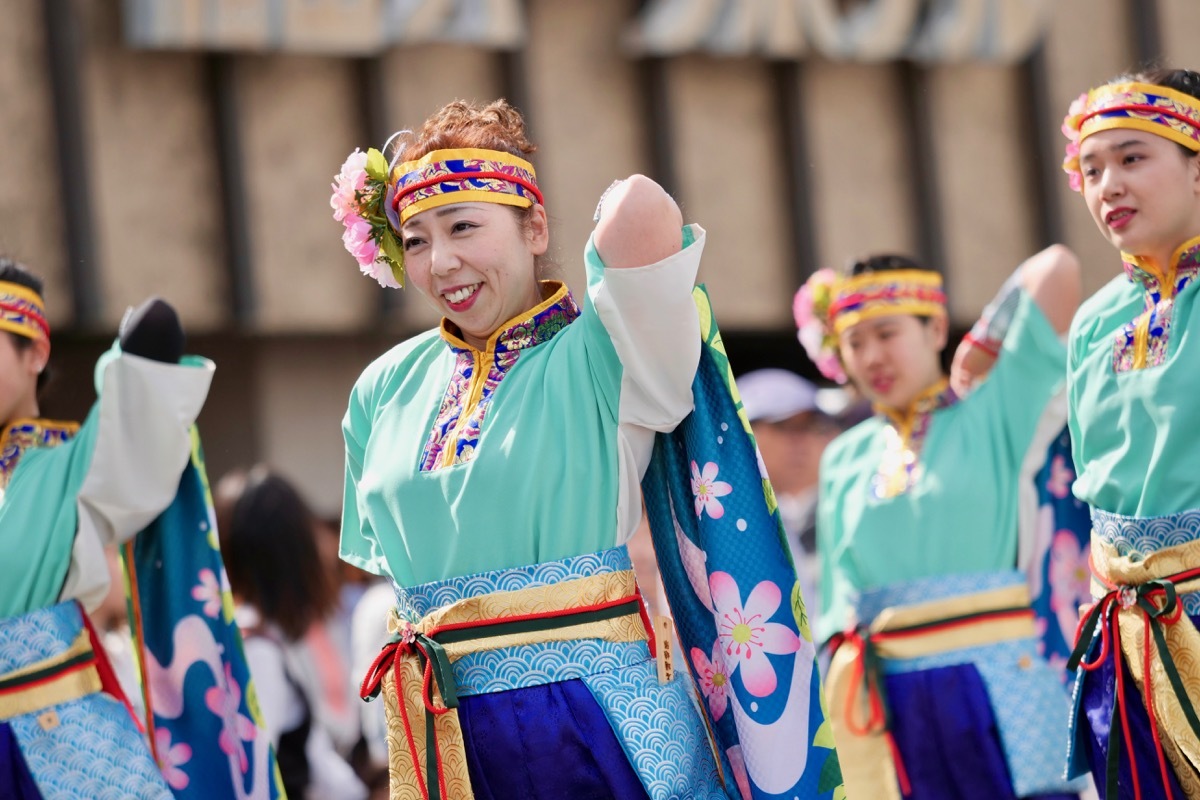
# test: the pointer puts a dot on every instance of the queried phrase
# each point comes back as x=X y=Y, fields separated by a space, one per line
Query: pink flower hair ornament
x=811 y=311
x=1071 y=129
x=359 y=202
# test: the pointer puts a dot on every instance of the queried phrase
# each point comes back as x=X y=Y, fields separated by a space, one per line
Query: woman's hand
x=971 y=365
x=639 y=224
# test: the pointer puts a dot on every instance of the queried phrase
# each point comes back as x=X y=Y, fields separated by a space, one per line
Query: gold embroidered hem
x=1180 y=744
x=407 y=707
x=67 y=676
x=865 y=751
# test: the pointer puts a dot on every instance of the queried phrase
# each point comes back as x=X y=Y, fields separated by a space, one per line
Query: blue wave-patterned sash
x=528 y=665
x=1137 y=537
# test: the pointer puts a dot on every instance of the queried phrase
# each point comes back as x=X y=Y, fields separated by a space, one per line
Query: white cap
x=773 y=395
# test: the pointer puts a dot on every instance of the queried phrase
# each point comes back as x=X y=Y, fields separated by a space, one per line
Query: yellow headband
x=22 y=311
x=1135 y=106
x=443 y=177
x=880 y=294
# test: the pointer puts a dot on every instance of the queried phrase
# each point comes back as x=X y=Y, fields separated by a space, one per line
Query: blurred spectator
x=284 y=594
x=792 y=432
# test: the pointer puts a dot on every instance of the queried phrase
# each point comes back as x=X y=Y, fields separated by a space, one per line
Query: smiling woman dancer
x=935 y=686
x=492 y=470
x=1132 y=388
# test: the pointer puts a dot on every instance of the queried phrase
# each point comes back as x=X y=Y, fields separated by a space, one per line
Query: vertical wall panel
x=983 y=180
x=731 y=181
x=156 y=194
x=859 y=162
x=573 y=63
x=31 y=218
x=1180 y=21
x=299 y=122
x=1089 y=43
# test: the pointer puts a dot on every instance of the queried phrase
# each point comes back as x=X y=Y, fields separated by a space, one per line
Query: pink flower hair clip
x=811 y=311
x=1070 y=129
x=359 y=202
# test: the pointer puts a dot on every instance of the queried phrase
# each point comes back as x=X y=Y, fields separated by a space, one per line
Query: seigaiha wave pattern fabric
x=733 y=594
x=203 y=719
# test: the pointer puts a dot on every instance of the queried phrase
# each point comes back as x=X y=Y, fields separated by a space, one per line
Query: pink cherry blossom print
x=208 y=591
x=706 y=489
x=171 y=758
x=236 y=728
x=745 y=635
x=1061 y=477
x=713 y=679
x=1070 y=580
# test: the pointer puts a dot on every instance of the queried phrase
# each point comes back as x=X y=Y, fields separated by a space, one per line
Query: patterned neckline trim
x=536 y=326
x=1147 y=273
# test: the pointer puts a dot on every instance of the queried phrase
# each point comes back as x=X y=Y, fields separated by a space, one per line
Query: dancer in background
x=1132 y=389
x=68 y=491
x=935 y=686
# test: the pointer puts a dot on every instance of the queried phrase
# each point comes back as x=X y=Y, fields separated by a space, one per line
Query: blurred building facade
x=185 y=148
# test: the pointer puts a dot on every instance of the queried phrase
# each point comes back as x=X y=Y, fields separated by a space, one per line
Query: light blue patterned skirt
x=83 y=748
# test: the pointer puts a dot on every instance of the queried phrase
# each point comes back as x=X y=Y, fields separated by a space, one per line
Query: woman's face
x=1141 y=190
x=19 y=368
x=893 y=359
x=475 y=263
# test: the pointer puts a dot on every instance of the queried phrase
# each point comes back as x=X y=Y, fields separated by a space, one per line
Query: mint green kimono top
x=461 y=461
x=69 y=490
x=1133 y=389
x=956 y=512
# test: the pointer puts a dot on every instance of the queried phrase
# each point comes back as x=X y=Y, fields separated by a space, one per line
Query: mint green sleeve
x=359 y=545
x=1031 y=368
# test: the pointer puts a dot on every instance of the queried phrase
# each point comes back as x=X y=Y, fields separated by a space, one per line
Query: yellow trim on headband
x=468 y=196
x=918 y=279
x=1103 y=96
x=23 y=292
x=925 y=278
x=465 y=153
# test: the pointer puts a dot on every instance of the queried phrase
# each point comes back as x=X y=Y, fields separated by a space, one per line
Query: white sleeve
x=143 y=441
x=651 y=318
x=652 y=321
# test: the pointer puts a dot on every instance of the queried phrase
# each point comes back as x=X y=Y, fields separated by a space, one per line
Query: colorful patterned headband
x=1135 y=106
x=444 y=177
x=880 y=294
x=22 y=311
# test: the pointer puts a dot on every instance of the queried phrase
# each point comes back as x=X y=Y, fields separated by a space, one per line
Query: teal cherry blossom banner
x=734 y=596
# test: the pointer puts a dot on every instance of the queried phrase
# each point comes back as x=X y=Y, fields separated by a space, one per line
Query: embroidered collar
x=904 y=438
x=1185 y=261
x=536 y=326
x=937 y=396
x=27 y=434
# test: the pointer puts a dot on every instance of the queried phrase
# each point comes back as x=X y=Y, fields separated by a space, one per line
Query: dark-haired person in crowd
x=69 y=490
x=282 y=590
x=1132 y=386
x=935 y=687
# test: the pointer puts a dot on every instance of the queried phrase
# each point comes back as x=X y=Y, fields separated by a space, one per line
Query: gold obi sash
x=414 y=670
x=871 y=764
x=1138 y=605
x=67 y=676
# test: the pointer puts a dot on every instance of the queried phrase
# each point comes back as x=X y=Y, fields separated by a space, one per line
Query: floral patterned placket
x=904 y=438
x=477 y=374
x=1143 y=342
x=24 y=435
